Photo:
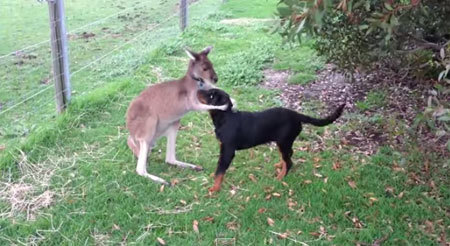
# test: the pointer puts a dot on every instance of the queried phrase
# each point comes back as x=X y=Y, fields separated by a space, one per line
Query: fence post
x=58 y=39
x=183 y=14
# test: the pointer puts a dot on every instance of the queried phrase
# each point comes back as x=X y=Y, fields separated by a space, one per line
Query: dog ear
x=191 y=54
x=206 y=50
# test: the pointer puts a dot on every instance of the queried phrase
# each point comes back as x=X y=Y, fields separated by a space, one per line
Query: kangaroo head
x=201 y=68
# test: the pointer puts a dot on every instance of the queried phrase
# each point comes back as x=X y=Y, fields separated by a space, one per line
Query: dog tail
x=322 y=122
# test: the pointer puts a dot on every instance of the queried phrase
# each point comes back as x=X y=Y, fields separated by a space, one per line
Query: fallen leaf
x=291 y=192
x=161 y=241
x=270 y=221
x=115 y=227
x=233 y=192
x=318 y=175
x=174 y=182
x=285 y=184
x=429 y=227
x=252 y=178
x=283 y=235
x=389 y=189
x=432 y=185
x=325 y=180
x=314 y=234
x=195 y=226
x=401 y=195
x=232 y=225
x=161 y=189
x=291 y=204
x=183 y=202
x=208 y=218
x=357 y=223
x=262 y=210
x=268 y=189
x=336 y=166
x=307 y=181
x=396 y=168
x=352 y=184
x=268 y=197
x=275 y=194
x=372 y=200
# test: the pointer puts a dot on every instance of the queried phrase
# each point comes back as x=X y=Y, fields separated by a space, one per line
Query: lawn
x=72 y=181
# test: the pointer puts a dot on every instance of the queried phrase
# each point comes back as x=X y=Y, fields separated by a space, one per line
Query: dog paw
x=214 y=189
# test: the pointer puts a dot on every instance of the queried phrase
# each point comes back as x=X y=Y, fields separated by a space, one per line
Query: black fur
x=238 y=130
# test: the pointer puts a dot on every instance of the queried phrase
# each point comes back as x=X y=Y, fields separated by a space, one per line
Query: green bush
x=412 y=36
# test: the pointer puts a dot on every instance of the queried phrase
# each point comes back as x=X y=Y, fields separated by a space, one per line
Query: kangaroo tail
x=322 y=122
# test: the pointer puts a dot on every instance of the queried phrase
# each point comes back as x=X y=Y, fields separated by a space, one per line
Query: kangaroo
x=157 y=111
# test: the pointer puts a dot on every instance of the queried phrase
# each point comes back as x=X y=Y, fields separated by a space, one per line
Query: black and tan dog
x=242 y=130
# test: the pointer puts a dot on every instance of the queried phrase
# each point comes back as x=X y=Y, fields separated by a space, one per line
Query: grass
x=332 y=196
x=304 y=66
x=374 y=99
x=29 y=72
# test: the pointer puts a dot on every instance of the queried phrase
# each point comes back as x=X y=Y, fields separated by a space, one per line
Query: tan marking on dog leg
x=280 y=163
x=283 y=171
x=218 y=179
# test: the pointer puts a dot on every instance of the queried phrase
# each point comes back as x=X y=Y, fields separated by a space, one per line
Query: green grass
x=99 y=199
x=259 y=9
x=374 y=100
x=29 y=73
x=301 y=59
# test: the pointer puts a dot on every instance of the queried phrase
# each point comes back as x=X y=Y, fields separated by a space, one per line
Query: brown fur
x=159 y=108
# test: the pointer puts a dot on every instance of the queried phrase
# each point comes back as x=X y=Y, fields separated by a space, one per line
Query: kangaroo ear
x=206 y=50
x=191 y=54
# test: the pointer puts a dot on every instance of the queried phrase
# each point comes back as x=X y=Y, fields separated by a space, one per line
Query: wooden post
x=61 y=74
x=183 y=14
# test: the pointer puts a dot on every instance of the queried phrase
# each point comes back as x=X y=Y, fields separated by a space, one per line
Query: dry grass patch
x=30 y=193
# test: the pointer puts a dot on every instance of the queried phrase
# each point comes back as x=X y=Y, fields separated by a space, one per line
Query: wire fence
x=105 y=47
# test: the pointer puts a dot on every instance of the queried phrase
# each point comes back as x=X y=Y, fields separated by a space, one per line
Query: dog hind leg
x=171 y=147
x=286 y=162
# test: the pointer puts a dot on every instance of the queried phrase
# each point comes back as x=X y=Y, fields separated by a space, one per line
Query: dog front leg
x=141 y=167
x=226 y=156
x=171 y=146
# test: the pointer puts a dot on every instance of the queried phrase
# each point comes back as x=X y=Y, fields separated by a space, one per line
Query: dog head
x=201 y=68
x=215 y=97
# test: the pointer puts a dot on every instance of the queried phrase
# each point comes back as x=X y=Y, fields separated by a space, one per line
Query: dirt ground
x=404 y=100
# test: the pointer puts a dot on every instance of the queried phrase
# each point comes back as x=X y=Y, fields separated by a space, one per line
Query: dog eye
x=211 y=96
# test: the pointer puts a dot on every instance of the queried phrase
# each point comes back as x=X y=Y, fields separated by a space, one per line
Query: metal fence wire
x=39 y=77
